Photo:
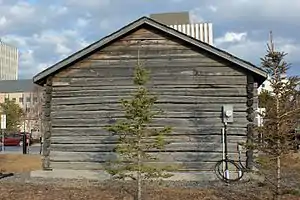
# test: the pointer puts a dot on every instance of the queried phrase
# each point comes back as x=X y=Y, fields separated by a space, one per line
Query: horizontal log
x=169 y=55
x=161 y=156
x=152 y=62
x=77 y=139
x=158 y=80
x=108 y=114
x=151 y=54
x=145 y=33
x=161 y=99
x=151 y=44
x=179 y=166
x=172 y=147
x=177 y=122
x=152 y=48
x=205 y=130
x=225 y=92
x=166 y=107
x=63 y=86
x=155 y=69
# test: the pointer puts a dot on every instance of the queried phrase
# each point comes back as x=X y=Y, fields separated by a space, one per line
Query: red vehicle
x=11 y=140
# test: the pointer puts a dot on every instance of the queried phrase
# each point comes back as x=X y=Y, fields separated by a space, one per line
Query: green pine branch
x=136 y=138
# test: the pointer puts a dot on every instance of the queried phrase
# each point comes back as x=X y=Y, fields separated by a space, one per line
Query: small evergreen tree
x=136 y=137
x=282 y=113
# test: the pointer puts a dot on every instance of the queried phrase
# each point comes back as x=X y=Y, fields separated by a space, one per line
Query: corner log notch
x=47 y=128
x=252 y=101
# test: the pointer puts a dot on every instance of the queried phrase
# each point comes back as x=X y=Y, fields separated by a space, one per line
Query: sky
x=46 y=31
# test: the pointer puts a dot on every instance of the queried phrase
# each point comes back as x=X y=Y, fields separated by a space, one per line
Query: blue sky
x=47 y=31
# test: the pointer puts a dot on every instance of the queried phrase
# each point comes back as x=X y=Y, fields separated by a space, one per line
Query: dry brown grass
x=19 y=163
x=57 y=192
x=53 y=192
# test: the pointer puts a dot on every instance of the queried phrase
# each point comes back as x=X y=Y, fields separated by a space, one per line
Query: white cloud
x=82 y=22
x=62 y=50
x=15 y=40
x=49 y=36
x=3 y=21
x=195 y=16
x=22 y=10
x=231 y=37
x=249 y=49
x=253 y=10
x=94 y=4
x=47 y=31
x=213 y=8
x=27 y=56
x=59 y=10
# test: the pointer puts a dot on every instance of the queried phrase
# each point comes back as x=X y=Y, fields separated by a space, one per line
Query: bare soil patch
x=19 y=163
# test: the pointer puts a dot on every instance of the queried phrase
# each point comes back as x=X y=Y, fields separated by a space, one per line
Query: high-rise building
x=8 y=62
x=181 y=21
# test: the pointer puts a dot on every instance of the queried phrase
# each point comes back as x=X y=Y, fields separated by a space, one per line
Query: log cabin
x=192 y=79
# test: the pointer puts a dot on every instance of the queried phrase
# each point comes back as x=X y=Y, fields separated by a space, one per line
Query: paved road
x=34 y=149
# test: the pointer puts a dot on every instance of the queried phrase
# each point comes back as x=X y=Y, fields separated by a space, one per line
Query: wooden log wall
x=46 y=123
x=252 y=104
x=192 y=87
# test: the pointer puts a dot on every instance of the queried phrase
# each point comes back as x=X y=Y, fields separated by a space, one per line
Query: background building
x=181 y=21
x=28 y=96
x=8 y=62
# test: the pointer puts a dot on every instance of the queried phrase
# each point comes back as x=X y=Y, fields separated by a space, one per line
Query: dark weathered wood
x=252 y=106
x=155 y=69
x=167 y=107
x=47 y=124
x=239 y=130
x=117 y=114
x=180 y=166
x=191 y=86
x=159 y=80
x=162 y=99
x=152 y=54
x=172 y=147
x=162 y=156
x=100 y=139
x=225 y=92
x=178 y=122
x=63 y=86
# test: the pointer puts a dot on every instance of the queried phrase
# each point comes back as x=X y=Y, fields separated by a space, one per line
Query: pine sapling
x=136 y=138
x=281 y=114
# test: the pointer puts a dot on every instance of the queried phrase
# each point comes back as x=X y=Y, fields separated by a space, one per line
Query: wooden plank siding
x=191 y=86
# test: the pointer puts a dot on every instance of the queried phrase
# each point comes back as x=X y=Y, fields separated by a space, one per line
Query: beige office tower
x=8 y=62
x=181 y=21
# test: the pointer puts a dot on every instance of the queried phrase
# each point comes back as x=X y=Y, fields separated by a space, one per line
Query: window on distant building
x=21 y=100
x=28 y=99
x=14 y=99
x=35 y=99
x=263 y=85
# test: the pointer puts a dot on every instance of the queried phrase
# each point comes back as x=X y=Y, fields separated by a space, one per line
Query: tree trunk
x=139 y=178
x=278 y=179
x=278 y=167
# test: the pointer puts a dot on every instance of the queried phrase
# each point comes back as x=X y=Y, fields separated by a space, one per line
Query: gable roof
x=261 y=75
